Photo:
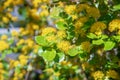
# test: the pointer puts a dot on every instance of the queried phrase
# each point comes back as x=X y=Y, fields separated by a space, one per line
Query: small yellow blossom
x=82 y=7
x=57 y=74
x=4 y=37
x=36 y=48
x=16 y=63
x=114 y=25
x=51 y=38
x=4 y=45
x=14 y=19
x=44 y=13
x=98 y=75
x=98 y=28
x=93 y=12
x=86 y=46
x=35 y=26
x=61 y=34
x=64 y=45
x=14 y=33
x=112 y=74
x=83 y=19
x=69 y=9
x=5 y=19
x=7 y=3
x=48 y=30
x=36 y=2
x=21 y=41
x=1 y=65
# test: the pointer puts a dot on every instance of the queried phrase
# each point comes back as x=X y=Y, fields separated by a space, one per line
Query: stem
x=27 y=75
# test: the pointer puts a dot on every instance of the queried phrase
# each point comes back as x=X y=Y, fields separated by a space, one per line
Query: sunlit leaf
x=109 y=45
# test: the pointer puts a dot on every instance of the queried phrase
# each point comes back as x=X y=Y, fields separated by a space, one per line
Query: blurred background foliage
x=59 y=40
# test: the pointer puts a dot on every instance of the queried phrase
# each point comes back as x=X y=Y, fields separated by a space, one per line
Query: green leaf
x=98 y=42
x=117 y=38
x=49 y=55
x=104 y=37
x=60 y=25
x=74 y=51
x=109 y=45
x=116 y=7
x=41 y=40
x=92 y=36
x=61 y=56
x=55 y=12
x=17 y=69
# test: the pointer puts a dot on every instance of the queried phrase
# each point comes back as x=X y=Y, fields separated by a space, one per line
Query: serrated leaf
x=109 y=45
x=98 y=42
x=41 y=40
x=49 y=55
x=60 y=25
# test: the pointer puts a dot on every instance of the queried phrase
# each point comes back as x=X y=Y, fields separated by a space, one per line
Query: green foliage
x=108 y=45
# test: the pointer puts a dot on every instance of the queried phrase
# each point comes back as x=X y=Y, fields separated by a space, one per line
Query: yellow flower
x=48 y=30
x=69 y=9
x=86 y=46
x=93 y=12
x=7 y=3
x=61 y=34
x=23 y=62
x=35 y=26
x=1 y=65
x=23 y=57
x=16 y=63
x=112 y=74
x=64 y=46
x=11 y=62
x=33 y=13
x=4 y=37
x=14 y=33
x=5 y=19
x=44 y=13
x=82 y=7
x=61 y=4
x=83 y=19
x=21 y=41
x=21 y=30
x=36 y=48
x=78 y=24
x=49 y=70
x=4 y=45
x=74 y=17
x=13 y=18
x=114 y=25
x=51 y=38
x=25 y=49
x=97 y=28
x=57 y=74
x=30 y=43
x=85 y=66
x=18 y=2
x=98 y=75
x=36 y=2
x=100 y=51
